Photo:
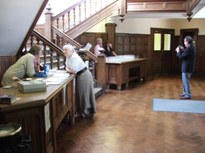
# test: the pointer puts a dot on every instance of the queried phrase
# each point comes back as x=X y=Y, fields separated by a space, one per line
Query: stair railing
x=51 y=53
x=78 y=13
x=61 y=39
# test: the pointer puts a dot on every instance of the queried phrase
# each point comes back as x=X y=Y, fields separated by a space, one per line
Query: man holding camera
x=188 y=56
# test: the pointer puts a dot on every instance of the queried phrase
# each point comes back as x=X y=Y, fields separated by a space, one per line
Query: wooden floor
x=126 y=123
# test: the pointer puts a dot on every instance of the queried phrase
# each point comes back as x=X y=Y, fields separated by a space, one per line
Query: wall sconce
x=189 y=14
x=48 y=8
x=121 y=18
x=122 y=9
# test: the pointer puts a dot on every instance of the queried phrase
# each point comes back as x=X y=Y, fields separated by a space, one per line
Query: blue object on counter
x=41 y=75
x=46 y=68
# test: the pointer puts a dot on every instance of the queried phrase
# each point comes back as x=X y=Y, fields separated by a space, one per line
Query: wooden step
x=98 y=91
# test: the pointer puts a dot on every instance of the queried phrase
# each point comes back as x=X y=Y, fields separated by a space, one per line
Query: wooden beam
x=170 y=6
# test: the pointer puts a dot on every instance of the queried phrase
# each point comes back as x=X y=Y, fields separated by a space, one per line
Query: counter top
x=26 y=100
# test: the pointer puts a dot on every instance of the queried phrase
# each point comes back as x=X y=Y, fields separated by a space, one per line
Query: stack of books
x=7 y=99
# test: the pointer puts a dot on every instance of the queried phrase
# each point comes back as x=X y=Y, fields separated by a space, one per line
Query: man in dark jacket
x=188 y=56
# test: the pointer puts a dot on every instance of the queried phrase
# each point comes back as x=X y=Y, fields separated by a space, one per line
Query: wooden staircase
x=84 y=15
x=64 y=27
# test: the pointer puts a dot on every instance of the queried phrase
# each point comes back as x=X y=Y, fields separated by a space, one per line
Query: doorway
x=162 y=46
x=189 y=32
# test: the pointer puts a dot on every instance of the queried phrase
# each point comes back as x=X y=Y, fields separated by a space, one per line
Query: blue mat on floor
x=174 y=105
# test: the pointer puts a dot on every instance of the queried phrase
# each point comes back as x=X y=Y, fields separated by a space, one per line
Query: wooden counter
x=123 y=69
x=41 y=113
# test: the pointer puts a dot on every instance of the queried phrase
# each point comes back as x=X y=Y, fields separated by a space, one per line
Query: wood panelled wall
x=137 y=44
x=5 y=63
x=140 y=45
x=200 y=55
x=133 y=44
x=85 y=38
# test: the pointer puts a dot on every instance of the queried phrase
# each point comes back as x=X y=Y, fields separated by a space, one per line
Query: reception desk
x=123 y=69
x=41 y=113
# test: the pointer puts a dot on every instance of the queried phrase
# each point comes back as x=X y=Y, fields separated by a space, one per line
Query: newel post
x=48 y=23
x=110 y=30
x=101 y=70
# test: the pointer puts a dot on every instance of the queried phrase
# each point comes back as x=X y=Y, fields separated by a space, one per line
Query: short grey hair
x=69 y=46
x=98 y=39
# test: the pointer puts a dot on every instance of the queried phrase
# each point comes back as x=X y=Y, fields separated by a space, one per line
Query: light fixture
x=49 y=7
x=189 y=14
x=121 y=18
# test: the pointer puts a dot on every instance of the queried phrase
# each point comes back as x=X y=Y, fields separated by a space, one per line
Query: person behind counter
x=108 y=49
x=85 y=99
x=26 y=66
x=99 y=47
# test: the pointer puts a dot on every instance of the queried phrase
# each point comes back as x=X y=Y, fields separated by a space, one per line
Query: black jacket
x=108 y=52
x=188 y=56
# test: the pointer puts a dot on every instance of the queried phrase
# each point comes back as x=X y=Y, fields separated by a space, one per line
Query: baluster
x=57 y=23
x=51 y=58
x=68 y=20
x=58 y=61
x=64 y=63
x=37 y=41
x=102 y=4
x=63 y=22
x=90 y=7
x=57 y=40
x=85 y=10
x=44 y=53
x=79 y=13
x=54 y=39
x=74 y=17
x=60 y=39
x=31 y=40
x=96 y=4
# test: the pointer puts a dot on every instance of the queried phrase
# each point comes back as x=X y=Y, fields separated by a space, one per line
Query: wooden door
x=189 y=32
x=162 y=50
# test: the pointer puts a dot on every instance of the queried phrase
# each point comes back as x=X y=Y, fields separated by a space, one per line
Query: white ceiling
x=16 y=18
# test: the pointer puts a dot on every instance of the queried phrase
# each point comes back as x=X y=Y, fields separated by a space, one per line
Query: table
x=125 y=68
x=41 y=113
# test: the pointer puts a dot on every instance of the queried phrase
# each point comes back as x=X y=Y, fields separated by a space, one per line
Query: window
x=162 y=39
x=157 y=42
x=167 y=42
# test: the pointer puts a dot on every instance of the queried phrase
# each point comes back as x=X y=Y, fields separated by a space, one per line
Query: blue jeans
x=186 y=84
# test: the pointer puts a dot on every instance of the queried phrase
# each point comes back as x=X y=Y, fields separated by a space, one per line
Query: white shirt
x=97 y=48
x=75 y=62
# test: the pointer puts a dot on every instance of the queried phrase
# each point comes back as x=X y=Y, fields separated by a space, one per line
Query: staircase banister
x=91 y=55
x=67 y=10
x=49 y=43
x=73 y=42
x=87 y=24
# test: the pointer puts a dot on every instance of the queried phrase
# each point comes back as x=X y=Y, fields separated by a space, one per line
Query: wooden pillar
x=48 y=24
x=101 y=70
x=110 y=30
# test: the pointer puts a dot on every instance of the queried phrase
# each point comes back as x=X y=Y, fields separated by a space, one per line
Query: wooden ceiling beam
x=161 y=5
x=169 y=6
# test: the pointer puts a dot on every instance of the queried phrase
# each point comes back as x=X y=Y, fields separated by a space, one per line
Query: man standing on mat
x=188 y=56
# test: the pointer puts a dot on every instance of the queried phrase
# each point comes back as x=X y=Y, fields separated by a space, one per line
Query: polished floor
x=126 y=123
